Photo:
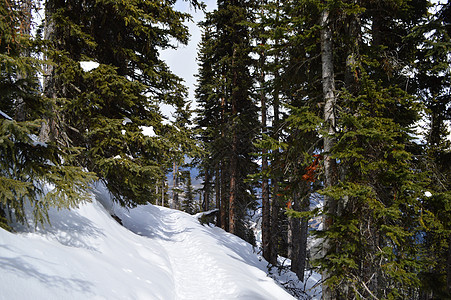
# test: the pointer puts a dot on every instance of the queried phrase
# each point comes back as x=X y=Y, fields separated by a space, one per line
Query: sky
x=182 y=60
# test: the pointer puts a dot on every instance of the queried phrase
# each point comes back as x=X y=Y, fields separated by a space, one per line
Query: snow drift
x=158 y=253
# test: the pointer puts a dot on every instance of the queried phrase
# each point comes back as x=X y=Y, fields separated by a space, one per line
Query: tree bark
x=234 y=152
x=207 y=190
x=175 y=194
x=218 y=194
x=330 y=171
x=448 y=267
x=298 y=230
x=232 y=197
x=224 y=204
x=266 y=207
x=223 y=207
x=275 y=205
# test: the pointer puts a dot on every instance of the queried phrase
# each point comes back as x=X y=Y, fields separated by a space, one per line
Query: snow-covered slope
x=159 y=253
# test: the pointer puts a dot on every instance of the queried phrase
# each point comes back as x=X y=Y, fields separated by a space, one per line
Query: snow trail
x=206 y=262
x=195 y=270
x=159 y=254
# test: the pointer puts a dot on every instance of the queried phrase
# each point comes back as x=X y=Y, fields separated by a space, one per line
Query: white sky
x=182 y=60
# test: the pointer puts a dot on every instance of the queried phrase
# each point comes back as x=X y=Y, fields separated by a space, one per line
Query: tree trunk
x=49 y=85
x=26 y=8
x=218 y=195
x=162 y=192
x=232 y=197
x=223 y=206
x=175 y=194
x=234 y=154
x=266 y=208
x=294 y=230
x=275 y=206
x=207 y=190
x=330 y=171
x=298 y=230
x=448 y=267
x=224 y=199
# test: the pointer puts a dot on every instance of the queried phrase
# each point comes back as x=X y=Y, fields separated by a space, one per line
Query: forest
x=342 y=102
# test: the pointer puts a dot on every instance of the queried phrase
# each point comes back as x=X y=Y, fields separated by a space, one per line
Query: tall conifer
x=33 y=174
x=225 y=53
x=105 y=110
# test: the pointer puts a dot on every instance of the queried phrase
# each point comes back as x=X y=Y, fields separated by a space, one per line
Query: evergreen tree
x=372 y=237
x=33 y=173
x=226 y=48
x=290 y=49
x=371 y=116
x=431 y=81
x=105 y=110
x=188 y=204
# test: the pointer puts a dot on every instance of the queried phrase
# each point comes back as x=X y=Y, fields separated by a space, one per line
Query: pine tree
x=372 y=238
x=431 y=80
x=226 y=94
x=188 y=204
x=33 y=173
x=105 y=110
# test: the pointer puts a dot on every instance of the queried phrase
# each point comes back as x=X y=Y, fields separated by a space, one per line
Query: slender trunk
x=376 y=28
x=330 y=171
x=207 y=190
x=232 y=197
x=223 y=210
x=303 y=246
x=218 y=195
x=298 y=230
x=294 y=229
x=26 y=8
x=49 y=85
x=157 y=192
x=224 y=199
x=448 y=267
x=175 y=194
x=234 y=154
x=162 y=192
x=266 y=208
x=275 y=205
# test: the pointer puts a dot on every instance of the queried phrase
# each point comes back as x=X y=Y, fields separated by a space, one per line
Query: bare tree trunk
x=207 y=190
x=233 y=178
x=218 y=195
x=162 y=192
x=448 y=267
x=275 y=205
x=266 y=207
x=234 y=154
x=175 y=193
x=303 y=246
x=298 y=230
x=224 y=204
x=49 y=85
x=26 y=8
x=294 y=229
x=330 y=171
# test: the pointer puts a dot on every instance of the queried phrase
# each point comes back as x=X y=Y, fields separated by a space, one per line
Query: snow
x=89 y=65
x=36 y=142
x=158 y=253
x=126 y=121
x=148 y=131
x=5 y=116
